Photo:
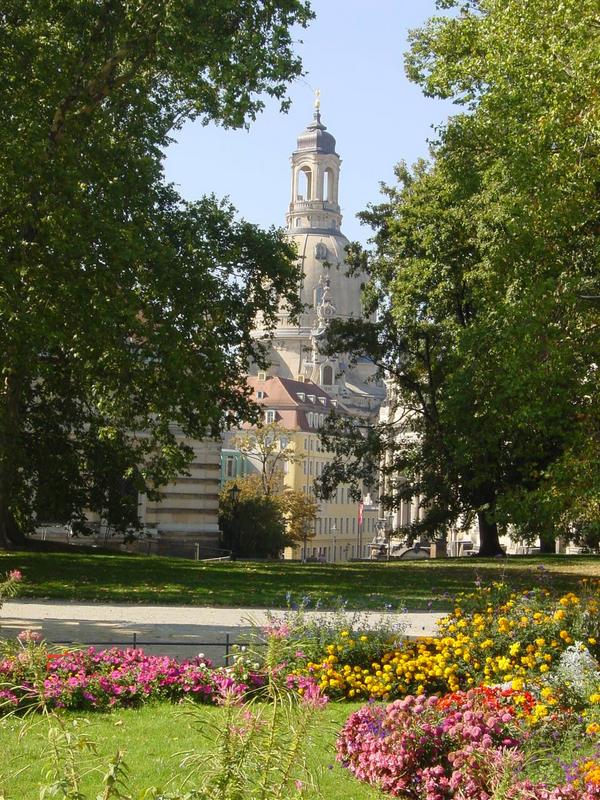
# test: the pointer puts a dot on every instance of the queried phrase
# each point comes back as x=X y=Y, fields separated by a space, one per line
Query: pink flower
x=277 y=630
x=15 y=575
x=29 y=636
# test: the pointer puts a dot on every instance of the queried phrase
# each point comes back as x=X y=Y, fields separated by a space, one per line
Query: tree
x=252 y=525
x=125 y=311
x=484 y=263
x=270 y=447
x=299 y=511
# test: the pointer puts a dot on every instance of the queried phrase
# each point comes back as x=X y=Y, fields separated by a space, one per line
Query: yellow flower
x=592 y=729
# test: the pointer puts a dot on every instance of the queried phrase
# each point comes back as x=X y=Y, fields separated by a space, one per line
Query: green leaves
x=481 y=262
x=122 y=308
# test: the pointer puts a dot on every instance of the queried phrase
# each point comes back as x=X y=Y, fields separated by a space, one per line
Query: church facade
x=327 y=291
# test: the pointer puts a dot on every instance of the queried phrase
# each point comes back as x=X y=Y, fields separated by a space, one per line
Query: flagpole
x=361 y=507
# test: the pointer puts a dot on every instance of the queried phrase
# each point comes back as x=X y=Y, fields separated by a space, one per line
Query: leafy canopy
x=125 y=312
x=485 y=273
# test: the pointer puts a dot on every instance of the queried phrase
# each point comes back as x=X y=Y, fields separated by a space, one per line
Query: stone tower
x=314 y=225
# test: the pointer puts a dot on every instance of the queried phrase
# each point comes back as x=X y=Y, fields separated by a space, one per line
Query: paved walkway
x=180 y=631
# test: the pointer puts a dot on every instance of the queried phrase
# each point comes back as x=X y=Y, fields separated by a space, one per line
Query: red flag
x=361 y=507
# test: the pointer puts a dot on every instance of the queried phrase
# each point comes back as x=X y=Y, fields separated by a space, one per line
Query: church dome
x=316 y=138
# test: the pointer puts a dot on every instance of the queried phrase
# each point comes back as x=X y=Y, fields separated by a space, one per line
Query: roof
x=316 y=138
x=292 y=400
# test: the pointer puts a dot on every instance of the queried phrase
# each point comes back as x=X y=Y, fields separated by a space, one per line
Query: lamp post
x=304 y=539
x=389 y=529
x=234 y=497
x=334 y=534
x=380 y=530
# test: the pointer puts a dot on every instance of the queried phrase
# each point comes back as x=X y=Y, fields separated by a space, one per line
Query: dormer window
x=311 y=398
x=301 y=396
x=323 y=401
x=260 y=395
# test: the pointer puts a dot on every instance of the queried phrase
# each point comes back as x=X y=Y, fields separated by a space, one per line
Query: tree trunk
x=10 y=534
x=547 y=544
x=489 y=544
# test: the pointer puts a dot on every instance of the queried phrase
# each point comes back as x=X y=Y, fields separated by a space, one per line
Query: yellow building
x=301 y=407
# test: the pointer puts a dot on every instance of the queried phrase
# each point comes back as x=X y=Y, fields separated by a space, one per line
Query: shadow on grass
x=152 y=580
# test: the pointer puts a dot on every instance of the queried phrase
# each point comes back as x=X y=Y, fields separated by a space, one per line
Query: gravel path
x=180 y=631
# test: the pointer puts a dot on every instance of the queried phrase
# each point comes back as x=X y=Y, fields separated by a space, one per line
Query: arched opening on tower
x=327 y=375
x=328 y=185
x=304 y=184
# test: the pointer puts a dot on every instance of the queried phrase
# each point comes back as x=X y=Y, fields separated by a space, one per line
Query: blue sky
x=353 y=52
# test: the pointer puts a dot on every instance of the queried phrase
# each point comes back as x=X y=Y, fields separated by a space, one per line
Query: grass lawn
x=148 y=579
x=153 y=736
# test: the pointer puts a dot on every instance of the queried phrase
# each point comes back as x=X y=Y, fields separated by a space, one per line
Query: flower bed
x=104 y=679
x=468 y=745
x=492 y=636
x=510 y=682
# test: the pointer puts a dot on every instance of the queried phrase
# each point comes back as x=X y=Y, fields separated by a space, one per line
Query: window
x=305 y=466
x=327 y=376
x=304 y=184
x=311 y=398
x=270 y=416
x=310 y=419
x=230 y=470
x=262 y=376
x=323 y=401
x=328 y=185
x=301 y=396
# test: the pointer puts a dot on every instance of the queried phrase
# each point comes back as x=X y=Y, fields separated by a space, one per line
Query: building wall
x=336 y=530
x=189 y=506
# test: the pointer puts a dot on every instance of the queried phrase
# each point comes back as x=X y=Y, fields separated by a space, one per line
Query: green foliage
x=125 y=313
x=252 y=526
x=258 y=751
x=486 y=274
